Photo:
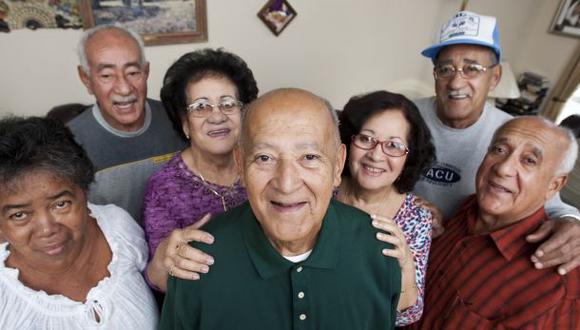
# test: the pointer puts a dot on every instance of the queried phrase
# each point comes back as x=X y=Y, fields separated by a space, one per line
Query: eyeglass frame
x=377 y=142
x=482 y=69
x=237 y=105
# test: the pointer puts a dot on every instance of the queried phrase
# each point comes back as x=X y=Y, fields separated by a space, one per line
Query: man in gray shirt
x=126 y=135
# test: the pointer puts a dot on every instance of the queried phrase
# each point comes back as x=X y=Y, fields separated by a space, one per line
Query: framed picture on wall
x=160 y=22
x=567 y=19
x=277 y=14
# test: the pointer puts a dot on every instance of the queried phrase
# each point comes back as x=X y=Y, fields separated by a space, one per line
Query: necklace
x=222 y=197
x=382 y=206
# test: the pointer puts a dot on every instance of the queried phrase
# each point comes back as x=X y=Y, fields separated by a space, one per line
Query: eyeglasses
x=202 y=108
x=390 y=147
x=468 y=71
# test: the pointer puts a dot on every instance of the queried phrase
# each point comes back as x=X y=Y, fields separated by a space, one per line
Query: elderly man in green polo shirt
x=290 y=258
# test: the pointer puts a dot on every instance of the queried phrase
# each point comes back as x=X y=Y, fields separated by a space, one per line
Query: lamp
x=508 y=86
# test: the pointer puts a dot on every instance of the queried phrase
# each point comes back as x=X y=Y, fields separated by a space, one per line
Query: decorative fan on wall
x=39 y=14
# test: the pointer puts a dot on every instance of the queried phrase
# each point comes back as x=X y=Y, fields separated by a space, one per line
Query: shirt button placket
x=299 y=300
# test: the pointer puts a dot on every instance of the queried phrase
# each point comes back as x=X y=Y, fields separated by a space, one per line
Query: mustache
x=125 y=99
x=456 y=93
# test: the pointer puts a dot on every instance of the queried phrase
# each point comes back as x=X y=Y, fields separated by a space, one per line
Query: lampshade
x=508 y=86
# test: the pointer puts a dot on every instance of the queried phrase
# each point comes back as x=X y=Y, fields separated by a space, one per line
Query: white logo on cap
x=462 y=24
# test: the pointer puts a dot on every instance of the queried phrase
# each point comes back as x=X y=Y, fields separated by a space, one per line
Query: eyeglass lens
x=468 y=71
x=202 y=108
x=389 y=147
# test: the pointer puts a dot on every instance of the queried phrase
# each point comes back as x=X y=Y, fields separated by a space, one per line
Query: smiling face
x=218 y=133
x=290 y=164
x=117 y=78
x=374 y=170
x=44 y=219
x=460 y=101
x=517 y=175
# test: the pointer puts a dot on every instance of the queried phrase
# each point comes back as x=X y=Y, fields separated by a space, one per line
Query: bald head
x=295 y=101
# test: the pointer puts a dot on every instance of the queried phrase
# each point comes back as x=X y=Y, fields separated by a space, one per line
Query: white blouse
x=121 y=301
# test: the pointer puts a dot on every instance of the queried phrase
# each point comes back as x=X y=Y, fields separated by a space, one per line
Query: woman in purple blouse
x=203 y=93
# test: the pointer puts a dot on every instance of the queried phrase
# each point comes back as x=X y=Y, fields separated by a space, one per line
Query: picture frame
x=159 y=22
x=277 y=15
x=567 y=19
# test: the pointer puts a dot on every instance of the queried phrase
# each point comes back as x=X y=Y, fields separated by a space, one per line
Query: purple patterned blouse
x=176 y=197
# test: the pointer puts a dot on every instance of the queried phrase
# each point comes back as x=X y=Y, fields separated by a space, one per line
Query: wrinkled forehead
x=290 y=113
x=21 y=181
x=533 y=134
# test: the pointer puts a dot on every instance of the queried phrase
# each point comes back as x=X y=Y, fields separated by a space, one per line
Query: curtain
x=564 y=88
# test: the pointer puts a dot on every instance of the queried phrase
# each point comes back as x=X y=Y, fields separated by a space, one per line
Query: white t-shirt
x=459 y=153
x=122 y=301
x=300 y=257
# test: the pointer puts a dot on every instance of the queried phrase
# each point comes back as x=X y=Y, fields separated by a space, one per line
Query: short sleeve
x=120 y=228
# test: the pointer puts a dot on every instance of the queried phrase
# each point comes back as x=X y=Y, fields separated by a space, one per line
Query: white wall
x=336 y=48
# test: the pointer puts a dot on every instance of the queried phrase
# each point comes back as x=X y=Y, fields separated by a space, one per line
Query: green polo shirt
x=346 y=283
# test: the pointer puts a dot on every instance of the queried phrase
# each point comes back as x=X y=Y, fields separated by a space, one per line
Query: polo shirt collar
x=269 y=263
x=510 y=240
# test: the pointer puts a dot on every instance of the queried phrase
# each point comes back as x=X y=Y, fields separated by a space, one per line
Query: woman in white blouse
x=65 y=264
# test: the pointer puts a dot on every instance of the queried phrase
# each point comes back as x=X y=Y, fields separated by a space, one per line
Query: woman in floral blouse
x=389 y=146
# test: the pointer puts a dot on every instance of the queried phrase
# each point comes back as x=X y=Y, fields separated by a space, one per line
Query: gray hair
x=88 y=34
x=570 y=155
x=327 y=104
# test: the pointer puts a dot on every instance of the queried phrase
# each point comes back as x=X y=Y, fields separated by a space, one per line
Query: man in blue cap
x=466 y=58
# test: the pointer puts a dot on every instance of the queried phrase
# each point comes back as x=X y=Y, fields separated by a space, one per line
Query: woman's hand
x=175 y=257
x=394 y=235
x=401 y=251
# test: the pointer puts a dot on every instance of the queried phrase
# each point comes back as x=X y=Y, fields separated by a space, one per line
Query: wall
x=336 y=48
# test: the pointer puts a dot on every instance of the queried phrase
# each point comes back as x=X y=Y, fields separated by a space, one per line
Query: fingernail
x=373 y=216
x=385 y=251
x=204 y=269
x=195 y=276
x=210 y=261
x=375 y=223
x=380 y=235
x=561 y=271
x=539 y=253
x=211 y=239
x=534 y=259
x=538 y=265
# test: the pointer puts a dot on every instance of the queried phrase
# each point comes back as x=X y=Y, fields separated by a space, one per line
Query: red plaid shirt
x=487 y=281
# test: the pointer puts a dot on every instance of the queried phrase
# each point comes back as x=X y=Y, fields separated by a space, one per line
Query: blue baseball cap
x=467 y=28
